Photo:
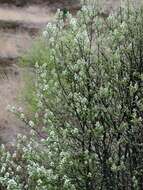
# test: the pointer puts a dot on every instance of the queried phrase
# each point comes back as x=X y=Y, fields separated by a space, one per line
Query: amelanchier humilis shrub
x=87 y=133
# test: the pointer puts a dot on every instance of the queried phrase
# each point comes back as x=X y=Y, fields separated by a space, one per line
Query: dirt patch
x=16 y=37
x=13 y=45
x=36 y=15
x=11 y=83
x=18 y=28
x=22 y=3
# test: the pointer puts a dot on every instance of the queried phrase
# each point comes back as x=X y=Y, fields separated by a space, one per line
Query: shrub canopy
x=89 y=107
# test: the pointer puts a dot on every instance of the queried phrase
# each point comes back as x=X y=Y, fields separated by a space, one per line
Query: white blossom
x=31 y=124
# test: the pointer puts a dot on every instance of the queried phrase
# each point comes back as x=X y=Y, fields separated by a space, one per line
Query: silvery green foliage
x=87 y=131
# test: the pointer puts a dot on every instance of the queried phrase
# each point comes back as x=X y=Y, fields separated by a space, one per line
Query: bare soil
x=52 y=3
x=33 y=14
x=16 y=24
x=11 y=84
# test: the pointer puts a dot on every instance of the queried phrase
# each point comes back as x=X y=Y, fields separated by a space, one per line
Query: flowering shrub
x=87 y=131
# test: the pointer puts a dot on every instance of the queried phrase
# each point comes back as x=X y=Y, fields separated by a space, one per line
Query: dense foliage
x=87 y=131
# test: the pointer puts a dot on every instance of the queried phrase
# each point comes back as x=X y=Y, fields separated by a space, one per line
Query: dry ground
x=11 y=84
x=16 y=24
